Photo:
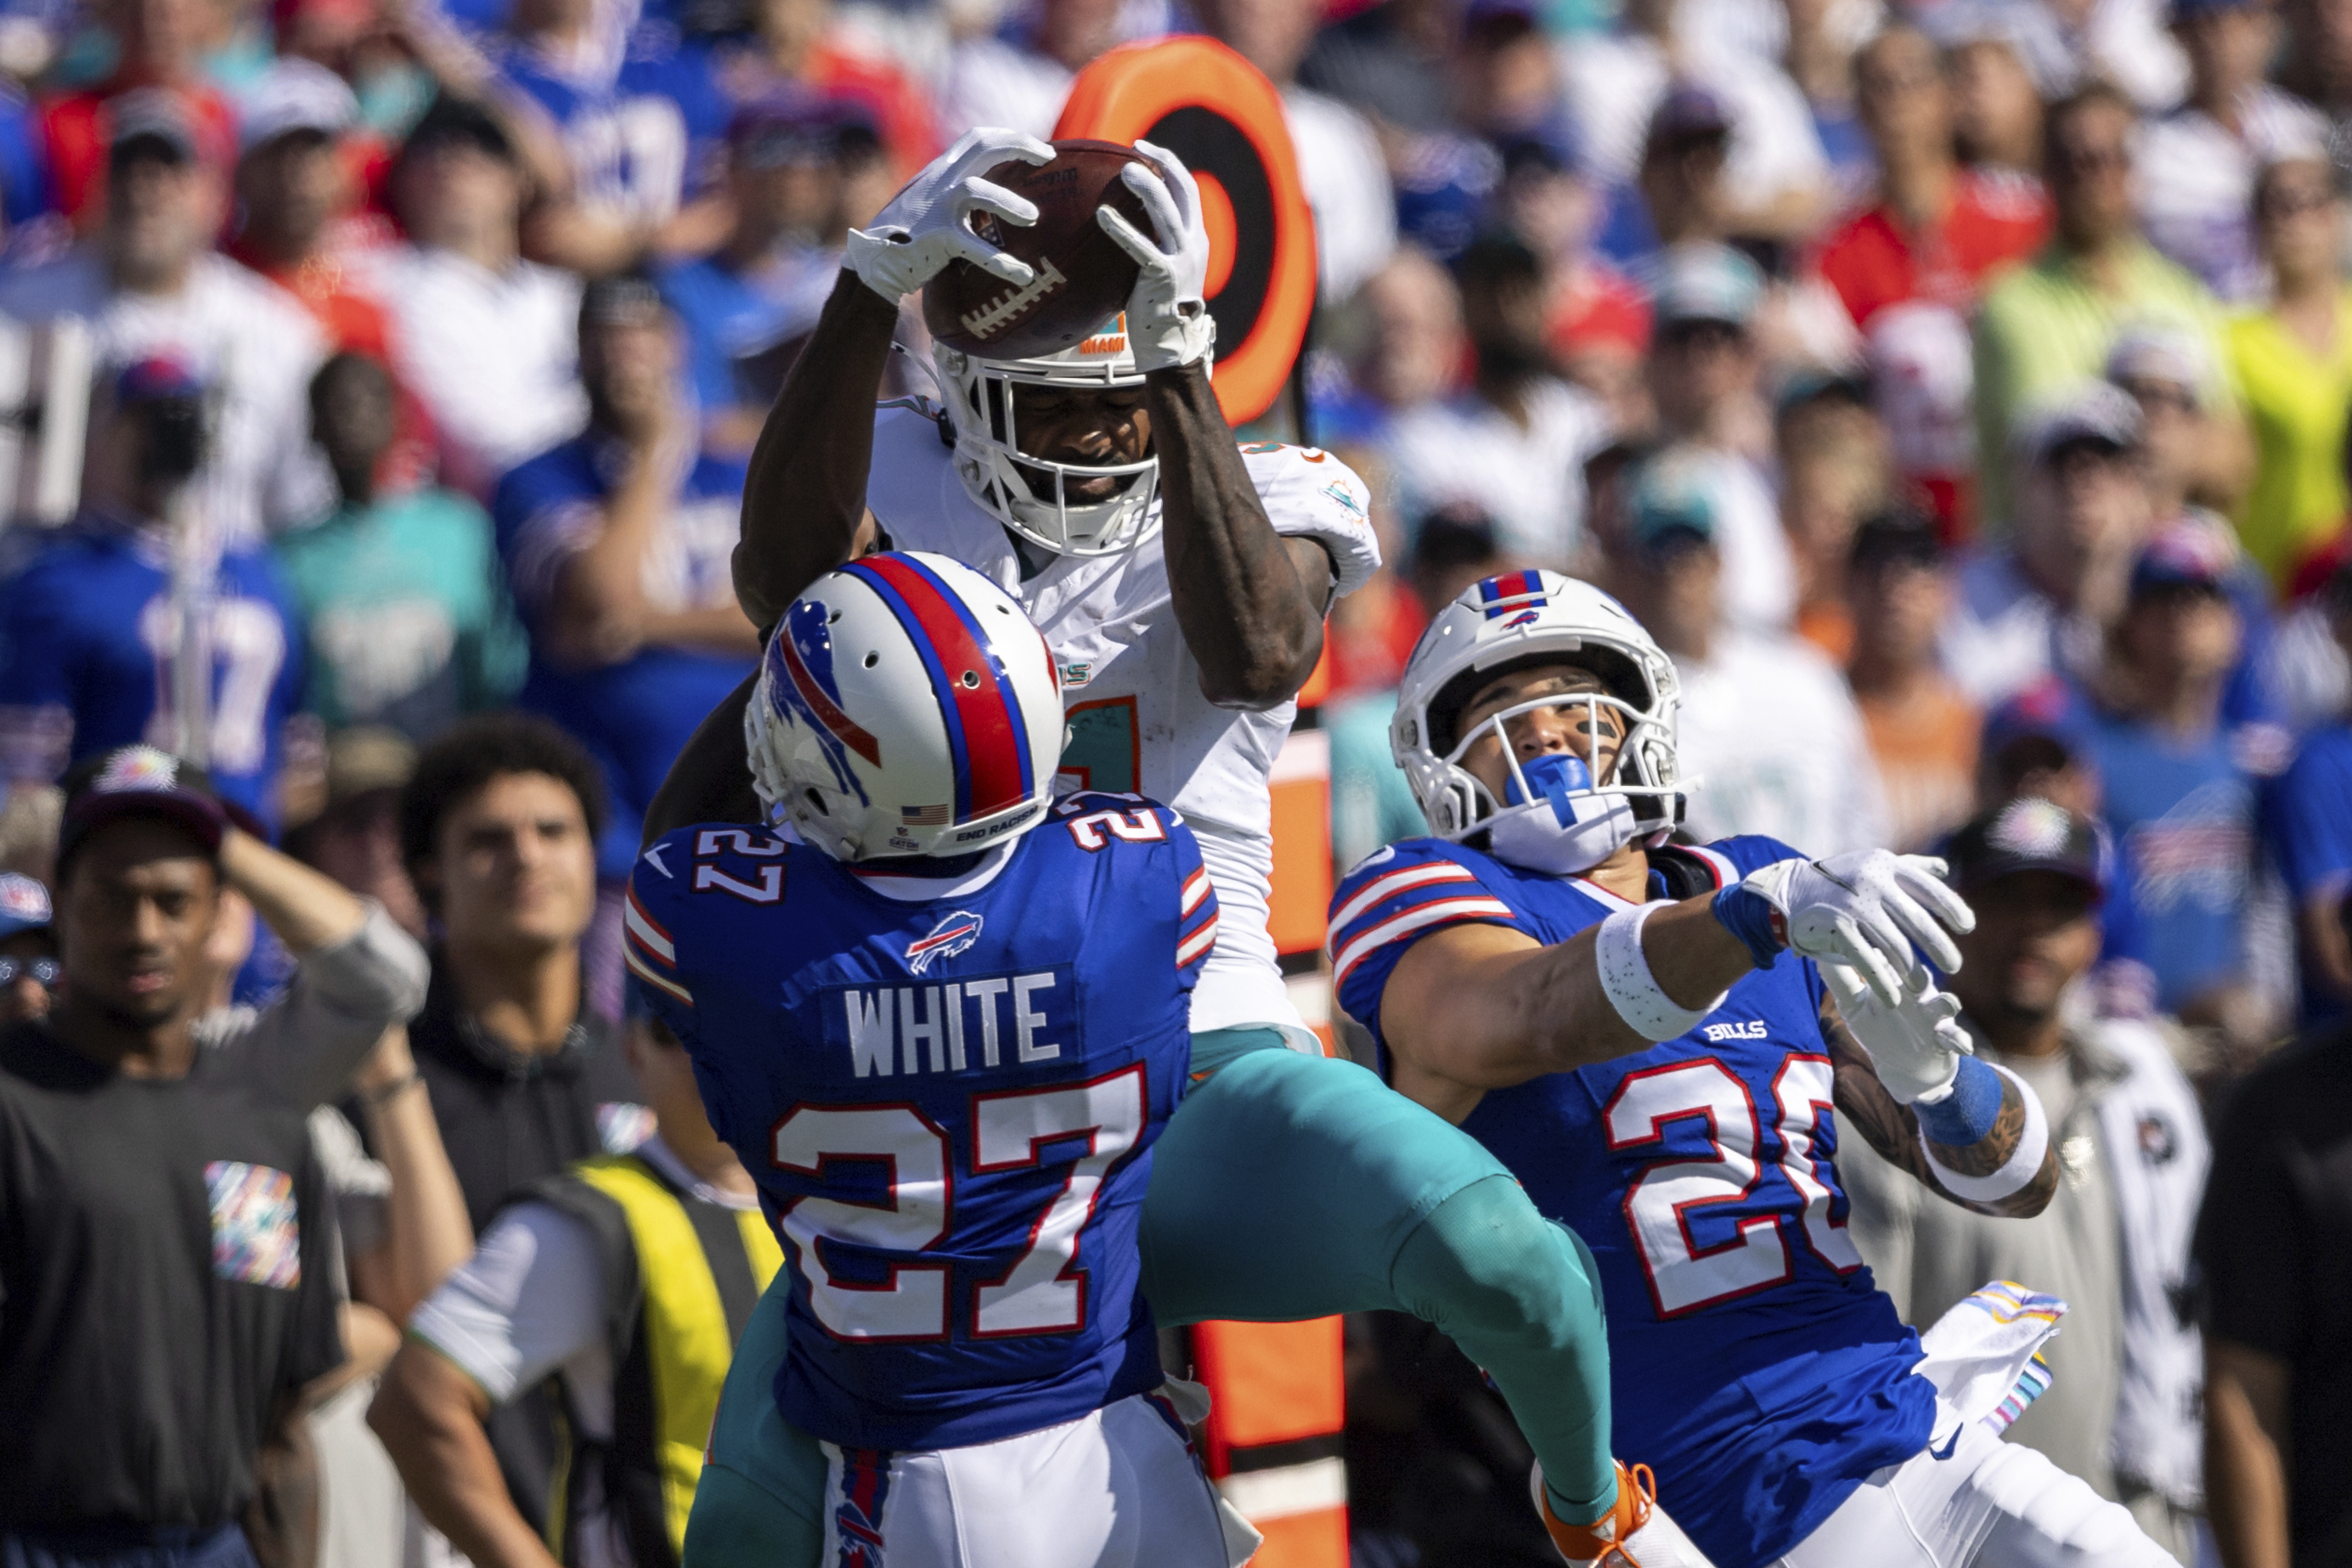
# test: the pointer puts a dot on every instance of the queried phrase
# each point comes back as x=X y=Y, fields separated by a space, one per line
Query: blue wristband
x=1965 y=1117
x=1748 y=915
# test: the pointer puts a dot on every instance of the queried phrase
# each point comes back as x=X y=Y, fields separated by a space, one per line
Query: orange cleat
x=1636 y=1534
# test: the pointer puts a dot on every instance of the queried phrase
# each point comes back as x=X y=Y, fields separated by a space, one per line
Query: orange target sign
x=1218 y=112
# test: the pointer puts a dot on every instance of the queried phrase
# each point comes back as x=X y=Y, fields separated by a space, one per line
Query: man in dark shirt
x=498 y=828
x=165 y=1236
x=2274 y=1249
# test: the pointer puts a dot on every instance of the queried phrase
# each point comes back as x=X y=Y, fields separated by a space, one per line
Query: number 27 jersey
x=947 y=1094
x=1754 y=1364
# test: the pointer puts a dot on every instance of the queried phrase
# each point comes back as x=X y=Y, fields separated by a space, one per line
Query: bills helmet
x=905 y=705
x=1560 y=812
x=1032 y=496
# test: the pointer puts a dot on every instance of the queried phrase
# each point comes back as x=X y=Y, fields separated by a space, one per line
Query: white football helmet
x=1557 y=815
x=905 y=706
x=1031 y=495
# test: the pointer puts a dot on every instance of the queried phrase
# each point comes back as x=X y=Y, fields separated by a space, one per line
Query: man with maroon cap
x=164 y=1227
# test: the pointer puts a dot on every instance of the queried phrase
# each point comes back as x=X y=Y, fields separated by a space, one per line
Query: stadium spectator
x=2317 y=65
x=404 y=619
x=2199 y=210
x=1834 y=471
x=28 y=948
x=2114 y=1243
x=582 y=1278
x=1685 y=197
x=1506 y=72
x=1618 y=84
x=1764 y=718
x=1411 y=349
x=799 y=42
x=1820 y=59
x=483 y=338
x=354 y=837
x=498 y=828
x=1996 y=106
x=2039 y=600
x=107 y=627
x=2190 y=450
x=1922 y=732
x=2293 y=360
x=157 y=45
x=297 y=192
x=1339 y=159
x=1909 y=268
x=1389 y=63
x=1598 y=319
x=2176 y=791
x=1705 y=371
x=746 y=309
x=617 y=544
x=2051 y=323
x=147 y=284
x=2274 y=1253
x=2307 y=828
x=1018 y=77
x=1513 y=441
x=163 y=1218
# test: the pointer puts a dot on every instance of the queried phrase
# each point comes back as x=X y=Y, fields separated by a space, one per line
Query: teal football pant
x=1285 y=1187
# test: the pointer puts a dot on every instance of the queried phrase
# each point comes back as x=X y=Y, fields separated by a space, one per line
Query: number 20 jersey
x=1754 y=1363
x=947 y=1103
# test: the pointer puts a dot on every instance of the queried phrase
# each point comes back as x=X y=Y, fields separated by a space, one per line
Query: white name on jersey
x=925 y=1026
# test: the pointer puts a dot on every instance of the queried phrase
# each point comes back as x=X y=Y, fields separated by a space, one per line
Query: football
x=1083 y=278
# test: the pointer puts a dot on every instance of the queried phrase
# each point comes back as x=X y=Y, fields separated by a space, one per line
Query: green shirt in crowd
x=2298 y=402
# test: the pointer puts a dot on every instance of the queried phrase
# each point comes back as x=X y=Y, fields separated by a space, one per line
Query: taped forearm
x=2018 y=1169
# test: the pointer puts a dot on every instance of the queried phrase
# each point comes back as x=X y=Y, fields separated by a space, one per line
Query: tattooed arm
x=1892 y=1130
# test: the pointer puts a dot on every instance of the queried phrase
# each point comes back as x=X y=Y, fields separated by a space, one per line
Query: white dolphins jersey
x=1130 y=686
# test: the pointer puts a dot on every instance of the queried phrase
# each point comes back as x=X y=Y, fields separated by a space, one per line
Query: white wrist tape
x=2022 y=1166
x=1632 y=989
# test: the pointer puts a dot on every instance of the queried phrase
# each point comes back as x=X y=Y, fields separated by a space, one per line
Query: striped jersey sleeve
x=649 y=913
x=1196 y=906
x=1393 y=900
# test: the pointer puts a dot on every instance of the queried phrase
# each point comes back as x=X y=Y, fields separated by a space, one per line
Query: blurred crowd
x=1957 y=390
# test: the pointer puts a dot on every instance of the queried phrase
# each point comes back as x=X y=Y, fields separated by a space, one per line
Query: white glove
x=1916 y=1044
x=1866 y=909
x=1168 y=321
x=925 y=227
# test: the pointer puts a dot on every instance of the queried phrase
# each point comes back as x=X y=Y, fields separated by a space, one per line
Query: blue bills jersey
x=949 y=1104
x=1755 y=1365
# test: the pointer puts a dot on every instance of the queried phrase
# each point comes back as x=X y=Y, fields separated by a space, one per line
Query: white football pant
x=2000 y=1504
x=1119 y=1489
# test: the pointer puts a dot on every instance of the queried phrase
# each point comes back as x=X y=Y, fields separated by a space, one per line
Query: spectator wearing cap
x=2306 y=820
x=158 y=48
x=486 y=339
x=1513 y=442
x=2113 y=1243
x=28 y=948
x=2274 y=1273
x=404 y=617
x=746 y=310
x=2051 y=322
x=1922 y=732
x=168 y=1237
x=618 y=544
x=2178 y=792
x=2200 y=211
x=1684 y=197
x=1339 y=159
x=2038 y=600
x=1831 y=455
x=107 y=642
x=1705 y=371
x=2294 y=358
x=149 y=283
x=1765 y=720
x=581 y=1279
x=1617 y=91
x=1909 y=267
x=297 y=189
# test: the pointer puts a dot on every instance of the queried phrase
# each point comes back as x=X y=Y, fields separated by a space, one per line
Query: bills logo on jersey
x=952 y=936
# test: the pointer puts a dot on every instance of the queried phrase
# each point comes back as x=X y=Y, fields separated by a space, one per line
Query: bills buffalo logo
x=952 y=936
x=1524 y=618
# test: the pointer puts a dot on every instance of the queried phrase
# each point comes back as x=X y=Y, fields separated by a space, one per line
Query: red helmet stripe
x=994 y=743
x=828 y=714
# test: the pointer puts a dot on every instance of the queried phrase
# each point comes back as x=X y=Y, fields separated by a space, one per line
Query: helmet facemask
x=1031 y=495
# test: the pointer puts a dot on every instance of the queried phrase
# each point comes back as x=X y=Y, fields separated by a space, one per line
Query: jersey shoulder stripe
x=1401 y=892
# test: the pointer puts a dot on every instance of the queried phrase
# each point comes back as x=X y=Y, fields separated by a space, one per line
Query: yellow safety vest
x=681 y=1277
